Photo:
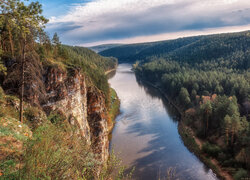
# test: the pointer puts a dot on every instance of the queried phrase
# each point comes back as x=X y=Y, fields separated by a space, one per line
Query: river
x=145 y=135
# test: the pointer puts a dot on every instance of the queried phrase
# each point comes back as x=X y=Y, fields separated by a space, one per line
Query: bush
x=34 y=116
x=56 y=117
x=240 y=174
x=229 y=163
x=211 y=150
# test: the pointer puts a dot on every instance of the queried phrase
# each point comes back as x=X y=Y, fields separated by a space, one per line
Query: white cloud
x=106 y=20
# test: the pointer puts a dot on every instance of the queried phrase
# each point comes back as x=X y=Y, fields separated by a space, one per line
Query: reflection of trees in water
x=155 y=93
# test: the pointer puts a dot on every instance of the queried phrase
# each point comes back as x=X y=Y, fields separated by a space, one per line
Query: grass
x=13 y=136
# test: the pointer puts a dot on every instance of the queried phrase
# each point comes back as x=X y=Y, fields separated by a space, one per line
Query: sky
x=94 y=22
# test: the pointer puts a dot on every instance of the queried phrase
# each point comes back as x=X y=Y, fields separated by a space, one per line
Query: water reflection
x=154 y=93
x=146 y=135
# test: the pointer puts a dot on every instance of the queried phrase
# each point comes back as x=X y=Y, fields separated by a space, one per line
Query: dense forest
x=208 y=78
x=35 y=145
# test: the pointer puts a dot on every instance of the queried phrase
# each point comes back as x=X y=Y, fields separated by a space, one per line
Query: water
x=146 y=136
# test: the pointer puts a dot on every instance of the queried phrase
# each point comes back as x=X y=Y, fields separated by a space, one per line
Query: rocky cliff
x=68 y=94
x=65 y=92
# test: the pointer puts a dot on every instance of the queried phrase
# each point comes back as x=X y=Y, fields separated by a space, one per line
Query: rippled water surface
x=146 y=136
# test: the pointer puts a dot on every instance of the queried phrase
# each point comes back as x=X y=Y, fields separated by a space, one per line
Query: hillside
x=209 y=81
x=217 y=48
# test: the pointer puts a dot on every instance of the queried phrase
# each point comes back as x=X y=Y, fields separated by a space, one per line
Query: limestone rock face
x=97 y=118
x=67 y=93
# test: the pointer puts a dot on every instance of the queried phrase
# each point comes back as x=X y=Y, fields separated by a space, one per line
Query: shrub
x=240 y=174
x=211 y=150
x=229 y=162
x=56 y=117
x=34 y=116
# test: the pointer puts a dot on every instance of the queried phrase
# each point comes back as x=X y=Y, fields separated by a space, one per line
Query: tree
x=55 y=40
x=227 y=126
x=207 y=112
x=184 y=97
x=235 y=127
x=25 y=21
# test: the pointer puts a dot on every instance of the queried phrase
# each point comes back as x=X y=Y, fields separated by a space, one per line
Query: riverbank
x=114 y=109
x=193 y=143
x=114 y=105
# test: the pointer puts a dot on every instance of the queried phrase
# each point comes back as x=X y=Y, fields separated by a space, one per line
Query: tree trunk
x=22 y=81
x=11 y=42
x=232 y=137
x=207 y=126
x=227 y=136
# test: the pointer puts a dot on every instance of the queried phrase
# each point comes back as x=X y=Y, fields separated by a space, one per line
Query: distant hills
x=229 y=46
x=103 y=47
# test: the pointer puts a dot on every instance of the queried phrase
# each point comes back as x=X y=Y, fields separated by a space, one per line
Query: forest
x=209 y=80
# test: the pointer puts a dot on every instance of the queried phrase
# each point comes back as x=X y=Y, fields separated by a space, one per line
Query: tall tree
x=55 y=40
x=207 y=112
x=25 y=21
x=227 y=126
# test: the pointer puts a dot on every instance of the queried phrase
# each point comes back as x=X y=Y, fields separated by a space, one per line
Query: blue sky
x=93 y=22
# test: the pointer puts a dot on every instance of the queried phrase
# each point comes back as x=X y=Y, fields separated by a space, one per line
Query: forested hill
x=208 y=78
x=219 y=47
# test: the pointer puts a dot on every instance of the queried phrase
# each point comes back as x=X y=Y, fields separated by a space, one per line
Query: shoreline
x=191 y=141
x=115 y=106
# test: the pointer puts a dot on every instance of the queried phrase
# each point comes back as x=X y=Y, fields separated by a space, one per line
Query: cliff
x=67 y=93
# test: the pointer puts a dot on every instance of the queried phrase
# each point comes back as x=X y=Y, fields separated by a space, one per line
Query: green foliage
x=211 y=150
x=241 y=174
x=184 y=97
x=3 y=69
x=114 y=107
x=55 y=40
x=56 y=117
x=90 y=63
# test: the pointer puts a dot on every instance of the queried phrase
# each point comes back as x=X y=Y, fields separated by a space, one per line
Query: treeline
x=210 y=81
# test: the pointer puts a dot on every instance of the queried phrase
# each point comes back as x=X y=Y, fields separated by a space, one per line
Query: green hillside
x=219 y=48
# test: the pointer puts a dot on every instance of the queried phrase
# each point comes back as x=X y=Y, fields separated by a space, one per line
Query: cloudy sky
x=93 y=22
